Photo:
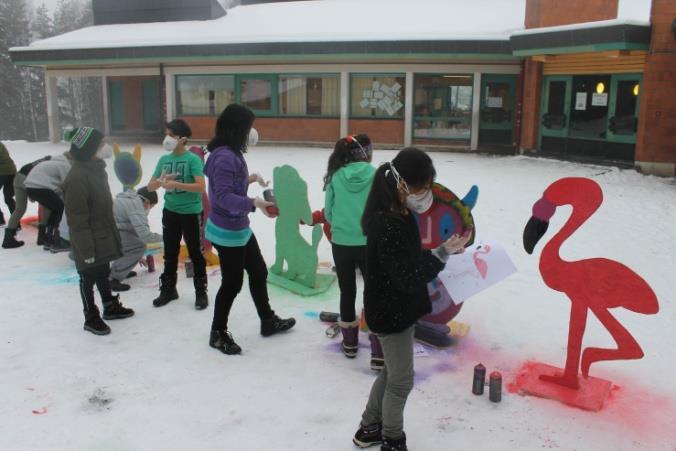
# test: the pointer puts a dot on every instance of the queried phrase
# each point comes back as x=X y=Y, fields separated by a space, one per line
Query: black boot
x=398 y=444
x=367 y=436
x=93 y=322
x=2 y=219
x=275 y=324
x=223 y=341
x=113 y=309
x=59 y=244
x=116 y=285
x=10 y=241
x=42 y=235
x=201 y=297
x=168 y=291
x=49 y=237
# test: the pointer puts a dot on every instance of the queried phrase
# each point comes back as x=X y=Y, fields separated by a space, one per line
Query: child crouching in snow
x=94 y=237
x=395 y=288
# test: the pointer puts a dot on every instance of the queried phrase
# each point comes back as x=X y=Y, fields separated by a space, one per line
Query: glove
x=89 y=261
x=264 y=206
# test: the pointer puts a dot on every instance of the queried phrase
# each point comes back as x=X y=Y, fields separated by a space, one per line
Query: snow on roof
x=313 y=21
x=629 y=12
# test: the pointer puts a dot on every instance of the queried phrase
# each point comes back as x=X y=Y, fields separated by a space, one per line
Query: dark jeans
x=188 y=226
x=233 y=261
x=96 y=275
x=50 y=200
x=7 y=186
x=347 y=260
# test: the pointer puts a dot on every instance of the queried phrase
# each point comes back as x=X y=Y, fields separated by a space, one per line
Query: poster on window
x=383 y=97
x=580 y=100
x=494 y=102
x=600 y=99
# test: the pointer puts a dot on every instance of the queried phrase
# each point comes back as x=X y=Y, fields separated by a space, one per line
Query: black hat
x=84 y=142
x=150 y=196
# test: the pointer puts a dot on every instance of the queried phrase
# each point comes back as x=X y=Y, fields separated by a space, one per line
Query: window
x=204 y=94
x=301 y=95
x=256 y=93
x=589 y=107
x=377 y=96
x=443 y=107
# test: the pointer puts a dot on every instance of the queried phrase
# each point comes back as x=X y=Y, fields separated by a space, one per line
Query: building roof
x=479 y=24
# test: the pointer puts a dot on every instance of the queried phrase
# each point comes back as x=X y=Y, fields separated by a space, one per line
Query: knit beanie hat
x=84 y=142
x=150 y=196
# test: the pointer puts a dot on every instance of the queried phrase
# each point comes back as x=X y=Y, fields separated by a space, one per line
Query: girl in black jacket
x=395 y=290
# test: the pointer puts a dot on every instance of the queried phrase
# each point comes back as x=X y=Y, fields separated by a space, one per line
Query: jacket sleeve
x=77 y=214
x=407 y=267
x=223 y=188
x=138 y=219
x=328 y=203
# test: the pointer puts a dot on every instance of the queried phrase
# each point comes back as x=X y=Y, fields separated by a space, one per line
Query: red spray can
x=495 y=387
x=150 y=261
x=479 y=379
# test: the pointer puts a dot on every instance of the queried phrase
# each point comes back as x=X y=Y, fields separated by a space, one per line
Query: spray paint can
x=150 y=262
x=189 y=270
x=269 y=196
x=495 y=387
x=479 y=379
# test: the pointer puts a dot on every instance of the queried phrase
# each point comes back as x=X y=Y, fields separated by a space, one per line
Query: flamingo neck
x=576 y=219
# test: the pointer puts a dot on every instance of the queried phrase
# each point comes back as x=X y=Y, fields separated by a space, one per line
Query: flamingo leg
x=627 y=346
x=578 y=322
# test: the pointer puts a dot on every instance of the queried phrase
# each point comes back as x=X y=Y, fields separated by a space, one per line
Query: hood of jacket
x=356 y=177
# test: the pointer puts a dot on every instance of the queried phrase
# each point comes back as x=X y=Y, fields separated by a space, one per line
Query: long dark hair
x=414 y=166
x=232 y=128
x=347 y=150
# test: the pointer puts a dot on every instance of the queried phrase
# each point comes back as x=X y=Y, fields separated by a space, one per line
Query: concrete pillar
x=344 y=102
x=408 y=110
x=476 y=111
x=52 y=109
x=106 y=105
x=169 y=97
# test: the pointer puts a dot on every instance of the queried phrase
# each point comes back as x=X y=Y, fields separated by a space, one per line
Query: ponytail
x=384 y=196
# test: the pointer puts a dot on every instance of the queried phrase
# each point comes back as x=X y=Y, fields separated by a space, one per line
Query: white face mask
x=169 y=143
x=420 y=203
x=104 y=152
x=252 y=140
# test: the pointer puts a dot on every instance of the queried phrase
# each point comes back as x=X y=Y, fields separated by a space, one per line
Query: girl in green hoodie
x=347 y=184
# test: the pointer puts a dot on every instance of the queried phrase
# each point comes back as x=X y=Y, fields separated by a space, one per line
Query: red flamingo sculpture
x=595 y=284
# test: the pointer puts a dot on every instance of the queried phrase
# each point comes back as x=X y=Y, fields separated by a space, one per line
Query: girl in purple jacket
x=228 y=227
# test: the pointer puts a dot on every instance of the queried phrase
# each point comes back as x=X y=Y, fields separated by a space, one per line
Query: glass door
x=623 y=107
x=497 y=109
x=151 y=104
x=116 y=99
x=556 y=101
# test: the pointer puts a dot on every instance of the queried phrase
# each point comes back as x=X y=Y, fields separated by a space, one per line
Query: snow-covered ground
x=154 y=383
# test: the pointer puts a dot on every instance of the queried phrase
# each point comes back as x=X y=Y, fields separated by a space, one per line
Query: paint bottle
x=329 y=317
x=269 y=196
x=189 y=270
x=479 y=379
x=150 y=261
x=495 y=387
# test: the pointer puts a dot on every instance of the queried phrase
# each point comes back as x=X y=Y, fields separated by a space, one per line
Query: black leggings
x=175 y=226
x=233 y=261
x=99 y=276
x=50 y=200
x=347 y=260
x=7 y=186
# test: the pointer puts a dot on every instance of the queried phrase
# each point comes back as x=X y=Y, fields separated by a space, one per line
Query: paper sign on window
x=494 y=102
x=581 y=101
x=600 y=99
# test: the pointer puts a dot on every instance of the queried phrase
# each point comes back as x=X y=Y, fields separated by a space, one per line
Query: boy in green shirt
x=181 y=175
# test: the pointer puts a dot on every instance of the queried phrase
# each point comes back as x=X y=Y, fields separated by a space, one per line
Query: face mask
x=169 y=143
x=252 y=140
x=104 y=152
x=420 y=203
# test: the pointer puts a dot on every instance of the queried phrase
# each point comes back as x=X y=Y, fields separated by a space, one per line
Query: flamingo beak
x=537 y=225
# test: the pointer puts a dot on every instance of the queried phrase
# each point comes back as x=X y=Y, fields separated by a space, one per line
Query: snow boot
x=116 y=285
x=368 y=435
x=275 y=325
x=2 y=219
x=377 y=356
x=113 y=309
x=93 y=322
x=49 y=237
x=201 y=297
x=59 y=244
x=168 y=291
x=391 y=444
x=10 y=241
x=42 y=235
x=223 y=341
x=350 y=344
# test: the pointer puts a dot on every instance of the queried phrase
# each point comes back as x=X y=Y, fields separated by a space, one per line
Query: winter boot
x=223 y=341
x=93 y=322
x=377 y=356
x=350 y=344
x=10 y=241
x=168 y=291
x=368 y=435
x=116 y=285
x=49 y=237
x=275 y=324
x=201 y=298
x=59 y=244
x=390 y=444
x=2 y=219
x=113 y=309
x=42 y=235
